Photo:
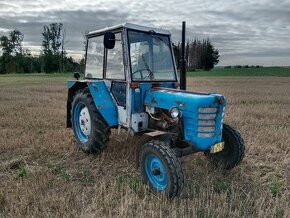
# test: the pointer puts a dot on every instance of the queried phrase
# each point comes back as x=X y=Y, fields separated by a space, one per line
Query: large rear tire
x=234 y=149
x=161 y=169
x=90 y=129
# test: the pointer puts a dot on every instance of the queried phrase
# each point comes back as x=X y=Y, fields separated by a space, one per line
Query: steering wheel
x=146 y=77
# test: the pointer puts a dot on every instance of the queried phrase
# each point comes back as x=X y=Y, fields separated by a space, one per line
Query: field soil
x=44 y=174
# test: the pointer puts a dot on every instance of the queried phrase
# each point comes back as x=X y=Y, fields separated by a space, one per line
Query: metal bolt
x=156 y=171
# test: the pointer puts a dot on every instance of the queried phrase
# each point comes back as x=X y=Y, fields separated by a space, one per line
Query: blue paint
x=104 y=102
x=70 y=83
x=76 y=114
x=189 y=103
x=137 y=100
x=153 y=162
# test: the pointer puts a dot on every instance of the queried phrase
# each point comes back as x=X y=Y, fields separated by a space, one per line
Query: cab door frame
x=124 y=111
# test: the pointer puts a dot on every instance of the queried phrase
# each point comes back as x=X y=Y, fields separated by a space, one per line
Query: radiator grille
x=207 y=118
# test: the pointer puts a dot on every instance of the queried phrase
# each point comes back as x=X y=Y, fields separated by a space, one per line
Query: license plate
x=217 y=147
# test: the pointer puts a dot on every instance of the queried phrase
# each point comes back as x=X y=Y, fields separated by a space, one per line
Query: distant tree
x=187 y=52
x=63 y=52
x=16 y=38
x=176 y=51
x=211 y=56
x=82 y=62
x=53 y=52
x=6 y=45
x=12 y=44
x=15 y=59
x=82 y=65
x=199 y=54
x=85 y=40
x=192 y=60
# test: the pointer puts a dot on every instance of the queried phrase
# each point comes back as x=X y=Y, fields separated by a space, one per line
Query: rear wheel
x=161 y=169
x=90 y=129
x=234 y=149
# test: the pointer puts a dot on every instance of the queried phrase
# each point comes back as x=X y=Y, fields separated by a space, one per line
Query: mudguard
x=104 y=102
x=102 y=99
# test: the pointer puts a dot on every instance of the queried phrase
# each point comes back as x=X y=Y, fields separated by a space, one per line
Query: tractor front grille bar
x=206 y=122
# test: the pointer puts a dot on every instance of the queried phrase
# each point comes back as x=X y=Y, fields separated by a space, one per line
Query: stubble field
x=44 y=174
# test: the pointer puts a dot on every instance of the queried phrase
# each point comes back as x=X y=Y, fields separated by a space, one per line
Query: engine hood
x=195 y=111
x=167 y=98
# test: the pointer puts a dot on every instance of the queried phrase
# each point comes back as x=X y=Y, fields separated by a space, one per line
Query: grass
x=264 y=71
x=39 y=75
x=221 y=186
x=275 y=187
x=21 y=172
x=60 y=171
x=62 y=181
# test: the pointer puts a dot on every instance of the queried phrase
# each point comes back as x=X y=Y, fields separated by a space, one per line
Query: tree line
x=52 y=59
x=199 y=54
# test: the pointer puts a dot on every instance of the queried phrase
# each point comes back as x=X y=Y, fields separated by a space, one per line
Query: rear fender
x=73 y=86
x=101 y=96
x=104 y=102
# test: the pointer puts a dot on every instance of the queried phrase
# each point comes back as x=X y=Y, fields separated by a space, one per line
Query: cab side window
x=115 y=67
x=94 y=58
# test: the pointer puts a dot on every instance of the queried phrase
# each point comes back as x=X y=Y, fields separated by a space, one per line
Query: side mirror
x=109 y=40
x=77 y=75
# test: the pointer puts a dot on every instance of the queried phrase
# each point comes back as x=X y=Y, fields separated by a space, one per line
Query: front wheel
x=161 y=169
x=234 y=149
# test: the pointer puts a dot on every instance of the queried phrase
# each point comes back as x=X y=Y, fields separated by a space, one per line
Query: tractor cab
x=131 y=59
x=131 y=83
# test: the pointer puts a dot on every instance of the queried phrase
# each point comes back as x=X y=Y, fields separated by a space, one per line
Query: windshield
x=150 y=56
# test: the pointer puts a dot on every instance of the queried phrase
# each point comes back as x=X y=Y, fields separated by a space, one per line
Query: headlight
x=174 y=113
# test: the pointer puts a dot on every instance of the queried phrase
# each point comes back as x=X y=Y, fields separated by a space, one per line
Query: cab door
x=114 y=74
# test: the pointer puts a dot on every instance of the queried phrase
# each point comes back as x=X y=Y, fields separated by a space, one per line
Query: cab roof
x=128 y=26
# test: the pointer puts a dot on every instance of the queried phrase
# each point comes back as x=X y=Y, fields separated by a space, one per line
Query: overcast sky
x=244 y=31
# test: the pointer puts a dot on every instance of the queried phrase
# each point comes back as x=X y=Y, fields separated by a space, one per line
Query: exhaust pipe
x=182 y=60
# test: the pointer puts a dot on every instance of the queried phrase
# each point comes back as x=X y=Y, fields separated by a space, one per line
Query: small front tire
x=161 y=169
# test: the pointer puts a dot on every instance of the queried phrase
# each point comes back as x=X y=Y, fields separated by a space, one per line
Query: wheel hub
x=156 y=172
x=85 y=121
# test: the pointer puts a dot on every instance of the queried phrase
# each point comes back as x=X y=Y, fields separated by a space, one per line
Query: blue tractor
x=131 y=82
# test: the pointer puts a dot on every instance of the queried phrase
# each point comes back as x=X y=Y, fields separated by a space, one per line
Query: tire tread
x=173 y=163
x=101 y=129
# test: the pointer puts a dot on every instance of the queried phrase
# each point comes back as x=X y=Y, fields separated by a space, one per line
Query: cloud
x=243 y=31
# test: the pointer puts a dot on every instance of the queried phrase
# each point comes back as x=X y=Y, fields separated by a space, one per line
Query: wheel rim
x=82 y=122
x=156 y=172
